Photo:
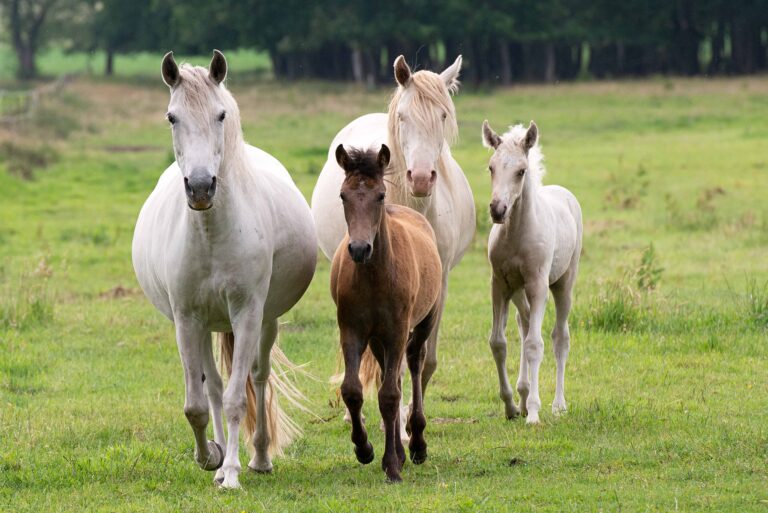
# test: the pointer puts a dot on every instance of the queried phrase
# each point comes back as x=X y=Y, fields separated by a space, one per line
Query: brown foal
x=385 y=280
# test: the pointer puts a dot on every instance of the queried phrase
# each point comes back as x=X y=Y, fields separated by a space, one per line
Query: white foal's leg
x=561 y=342
x=498 y=343
x=263 y=366
x=247 y=329
x=522 y=317
x=536 y=292
x=215 y=390
x=193 y=341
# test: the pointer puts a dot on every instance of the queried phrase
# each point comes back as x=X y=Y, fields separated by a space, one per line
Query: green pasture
x=666 y=382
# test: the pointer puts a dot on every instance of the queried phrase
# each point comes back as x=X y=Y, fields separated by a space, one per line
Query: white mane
x=513 y=138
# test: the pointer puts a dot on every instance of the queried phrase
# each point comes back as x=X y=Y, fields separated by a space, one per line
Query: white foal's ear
x=383 y=158
x=342 y=157
x=530 y=136
x=217 y=70
x=170 y=70
x=490 y=138
x=450 y=75
x=402 y=71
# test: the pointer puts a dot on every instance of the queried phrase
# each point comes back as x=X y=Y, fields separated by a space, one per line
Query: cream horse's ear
x=490 y=138
x=402 y=71
x=530 y=136
x=450 y=75
x=170 y=71
x=217 y=70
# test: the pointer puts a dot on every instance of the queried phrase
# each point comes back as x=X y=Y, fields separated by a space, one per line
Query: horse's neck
x=382 y=246
x=523 y=213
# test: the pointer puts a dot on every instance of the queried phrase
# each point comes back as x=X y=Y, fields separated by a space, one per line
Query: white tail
x=282 y=429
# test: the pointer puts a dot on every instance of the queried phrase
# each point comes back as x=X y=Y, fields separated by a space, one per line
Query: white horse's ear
x=170 y=71
x=530 y=136
x=490 y=138
x=450 y=75
x=342 y=157
x=383 y=158
x=402 y=71
x=217 y=70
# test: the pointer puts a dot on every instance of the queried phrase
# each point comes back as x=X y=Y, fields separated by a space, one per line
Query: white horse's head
x=512 y=163
x=421 y=118
x=199 y=106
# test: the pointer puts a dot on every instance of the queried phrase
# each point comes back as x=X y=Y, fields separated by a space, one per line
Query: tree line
x=502 y=41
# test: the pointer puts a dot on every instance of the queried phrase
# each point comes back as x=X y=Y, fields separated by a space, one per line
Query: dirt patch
x=119 y=292
x=453 y=420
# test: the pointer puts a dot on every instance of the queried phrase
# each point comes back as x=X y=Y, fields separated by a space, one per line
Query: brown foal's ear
x=170 y=71
x=383 y=158
x=402 y=71
x=217 y=70
x=490 y=138
x=530 y=136
x=342 y=157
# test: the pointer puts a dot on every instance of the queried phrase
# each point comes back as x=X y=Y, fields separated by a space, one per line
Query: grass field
x=666 y=380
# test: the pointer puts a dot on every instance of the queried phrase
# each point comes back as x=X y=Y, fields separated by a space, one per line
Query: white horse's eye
x=490 y=168
x=445 y=116
x=222 y=115
x=521 y=172
x=171 y=118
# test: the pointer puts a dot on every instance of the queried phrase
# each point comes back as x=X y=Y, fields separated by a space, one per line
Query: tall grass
x=28 y=302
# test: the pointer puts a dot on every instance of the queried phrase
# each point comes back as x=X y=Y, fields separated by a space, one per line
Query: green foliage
x=757 y=303
x=648 y=273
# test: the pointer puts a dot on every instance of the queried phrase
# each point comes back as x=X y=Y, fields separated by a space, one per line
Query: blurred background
x=503 y=42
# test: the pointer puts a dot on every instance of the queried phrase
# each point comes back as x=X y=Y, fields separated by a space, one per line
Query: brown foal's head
x=362 y=193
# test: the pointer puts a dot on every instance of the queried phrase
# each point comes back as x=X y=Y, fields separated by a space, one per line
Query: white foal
x=232 y=265
x=534 y=244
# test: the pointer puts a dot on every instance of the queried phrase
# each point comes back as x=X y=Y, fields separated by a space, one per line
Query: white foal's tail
x=282 y=429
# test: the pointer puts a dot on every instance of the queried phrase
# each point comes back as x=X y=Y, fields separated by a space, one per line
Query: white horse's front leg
x=261 y=461
x=498 y=343
x=522 y=317
x=193 y=341
x=215 y=389
x=247 y=330
x=536 y=293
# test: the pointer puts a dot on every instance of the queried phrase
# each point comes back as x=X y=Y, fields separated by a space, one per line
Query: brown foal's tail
x=281 y=428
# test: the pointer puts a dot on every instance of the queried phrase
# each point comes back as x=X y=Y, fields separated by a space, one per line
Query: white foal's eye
x=521 y=172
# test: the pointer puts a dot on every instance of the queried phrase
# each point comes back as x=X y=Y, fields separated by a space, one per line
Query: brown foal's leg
x=416 y=353
x=352 y=393
x=389 y=406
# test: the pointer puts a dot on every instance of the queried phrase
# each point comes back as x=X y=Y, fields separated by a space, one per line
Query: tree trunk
x=550 y=73
x=109 y=66
x=27 y=65
x=506 y=62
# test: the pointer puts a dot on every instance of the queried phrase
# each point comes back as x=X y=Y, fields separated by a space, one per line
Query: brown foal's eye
x=222 y=116
x=171 y=118
x=381 y=197
x=343 y=198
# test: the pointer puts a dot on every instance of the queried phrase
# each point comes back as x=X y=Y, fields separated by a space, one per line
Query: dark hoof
x=394 y=478
x=419 y=457
x=365 y=456
x=215 y=458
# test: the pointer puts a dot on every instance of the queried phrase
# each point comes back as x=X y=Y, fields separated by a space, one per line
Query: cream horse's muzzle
x=498 y=211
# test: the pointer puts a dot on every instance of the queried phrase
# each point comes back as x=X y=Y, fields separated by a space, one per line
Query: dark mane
x=364 y=162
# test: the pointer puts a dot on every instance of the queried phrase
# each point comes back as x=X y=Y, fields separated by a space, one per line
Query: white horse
x=424 y=176
x=534 y=244
x=232 y=265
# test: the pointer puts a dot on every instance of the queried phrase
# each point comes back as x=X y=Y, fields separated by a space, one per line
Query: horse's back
x=367 y=131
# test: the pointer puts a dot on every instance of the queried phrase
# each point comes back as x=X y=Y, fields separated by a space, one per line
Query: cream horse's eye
x=171 y=118
x=521 y=172
x=490 y=168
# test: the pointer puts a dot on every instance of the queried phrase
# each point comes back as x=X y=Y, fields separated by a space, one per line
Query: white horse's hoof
x=532 y=418
x=261 y=467
x=218 y=477
x=215 y=457
x=230 y=482
x=559 y=408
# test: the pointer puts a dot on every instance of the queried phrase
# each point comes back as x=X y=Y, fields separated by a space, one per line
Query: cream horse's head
x=508 y=166
x=422 y=117
x=196 y=112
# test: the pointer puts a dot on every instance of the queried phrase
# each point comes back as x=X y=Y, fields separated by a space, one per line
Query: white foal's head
x=421 y=118
x=510 y=166
x=199 y=106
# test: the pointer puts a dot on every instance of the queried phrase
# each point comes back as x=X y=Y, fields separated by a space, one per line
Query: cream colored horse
x=224 y=243
x=534 y=244
x=418 y=128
